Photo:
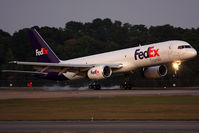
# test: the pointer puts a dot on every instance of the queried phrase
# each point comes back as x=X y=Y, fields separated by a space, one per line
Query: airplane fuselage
x=136 y=57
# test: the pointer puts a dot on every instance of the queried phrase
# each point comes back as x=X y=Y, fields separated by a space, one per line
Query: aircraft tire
x=94 y=87
x=125 y=86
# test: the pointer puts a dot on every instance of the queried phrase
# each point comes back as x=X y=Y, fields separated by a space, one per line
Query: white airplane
x=151 y=57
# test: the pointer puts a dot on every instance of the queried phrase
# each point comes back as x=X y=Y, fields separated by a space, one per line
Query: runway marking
x=151 y=126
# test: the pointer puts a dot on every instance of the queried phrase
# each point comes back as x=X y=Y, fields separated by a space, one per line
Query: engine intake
x=155 y=71
x=99 y=72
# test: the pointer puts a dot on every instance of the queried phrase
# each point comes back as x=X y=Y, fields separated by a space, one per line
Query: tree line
x=78 y=39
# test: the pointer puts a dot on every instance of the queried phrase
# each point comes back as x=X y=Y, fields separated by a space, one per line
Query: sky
x=19 y=14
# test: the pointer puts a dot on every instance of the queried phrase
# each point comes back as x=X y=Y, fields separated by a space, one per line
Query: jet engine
x=99 y=72
x=155 y=71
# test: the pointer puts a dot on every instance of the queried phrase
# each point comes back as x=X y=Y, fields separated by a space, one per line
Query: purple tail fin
x=41 y=49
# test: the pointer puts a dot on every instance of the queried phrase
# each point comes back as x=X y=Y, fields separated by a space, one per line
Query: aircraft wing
x=62 y=68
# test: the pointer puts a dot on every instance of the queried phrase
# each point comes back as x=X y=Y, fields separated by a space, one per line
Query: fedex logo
x=41 y=52
x=149 y=53
x=95 y=71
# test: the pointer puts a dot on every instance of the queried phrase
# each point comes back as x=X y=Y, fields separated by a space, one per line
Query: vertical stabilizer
x=41 y=49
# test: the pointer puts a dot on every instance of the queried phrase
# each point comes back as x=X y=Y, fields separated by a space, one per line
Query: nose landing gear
x=176 y=67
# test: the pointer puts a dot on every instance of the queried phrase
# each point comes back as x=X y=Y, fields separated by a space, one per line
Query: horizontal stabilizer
x=29 y=72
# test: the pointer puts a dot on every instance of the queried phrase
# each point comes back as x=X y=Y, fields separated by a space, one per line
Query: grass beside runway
x=115 y=108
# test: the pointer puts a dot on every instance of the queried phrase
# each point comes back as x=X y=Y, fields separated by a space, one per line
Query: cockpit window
x=187 y=46
x=184 y=46
x=180 y=47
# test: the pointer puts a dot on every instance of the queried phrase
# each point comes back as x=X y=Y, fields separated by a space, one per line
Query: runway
x=104 y=126
x=21 y=94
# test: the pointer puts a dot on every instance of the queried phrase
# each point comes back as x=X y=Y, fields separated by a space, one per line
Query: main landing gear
x=94 y=85
x=126 y=85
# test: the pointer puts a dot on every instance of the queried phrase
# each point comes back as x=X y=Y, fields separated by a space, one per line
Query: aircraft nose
x=190 y=53
x=193 y=53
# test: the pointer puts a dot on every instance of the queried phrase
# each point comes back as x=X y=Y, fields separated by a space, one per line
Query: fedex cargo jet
x=151 y=57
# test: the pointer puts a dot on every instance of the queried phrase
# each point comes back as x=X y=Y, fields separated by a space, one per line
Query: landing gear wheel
x=94 y=86
x=174 y=79
x=125 y=86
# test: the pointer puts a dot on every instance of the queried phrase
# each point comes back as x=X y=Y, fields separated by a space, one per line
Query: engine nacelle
x=155 y=71
x=99 y=72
